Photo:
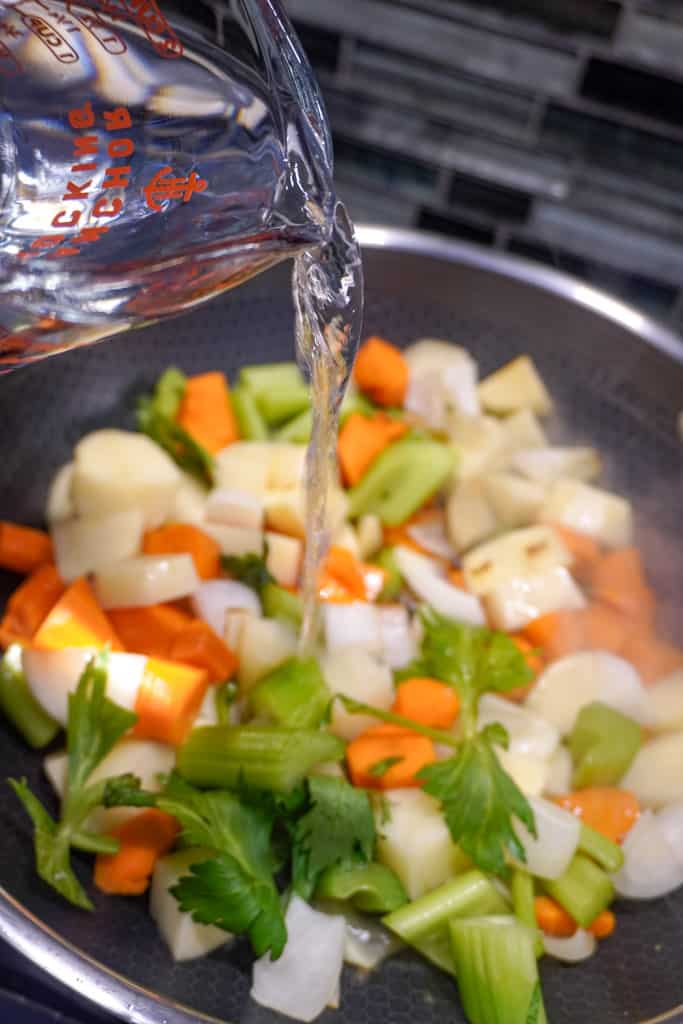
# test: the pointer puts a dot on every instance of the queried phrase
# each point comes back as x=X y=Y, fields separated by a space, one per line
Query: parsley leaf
x=94 y=726
x=249 y=569
x=338 y=828
x=156 y=415
x=479 y=800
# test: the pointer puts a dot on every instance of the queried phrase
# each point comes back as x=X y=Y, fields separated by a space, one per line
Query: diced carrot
x=654 y=658
x=206 y=412
x=344 y=578
x=384 y=744
x=457 y=578
x=584 y=550
x=617 y=579
x=603 y=925
x=381 y=372
x=535 y=663
x=427 y=701
x=604 y=628
x=143 y=839
x=149 y=630
x=197 y=644
x=608 y=810
x=184 y=538
x=168 y=700
x=23 y=549
x=29 y=604
x=362 y=439
x=553 y=919
x=556 y=634
x=76 y=620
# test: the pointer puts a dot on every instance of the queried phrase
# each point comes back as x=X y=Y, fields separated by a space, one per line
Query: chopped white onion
x=528 y=733
x=305 y=978
x=656 y=772
x=235 y=508
x=527 y=552
x=651 y=866
x=544 y=465
x=548 y=855
x=560 y=770
x=355 y=624
x=367 y=942
x=431 y=535
x=399 y=647
x=214 y=598
x=528 y=772
x=666 y=698
x=148 y=579
x=53 y=675
x=421 y=575
x=670 y=820
x=577 y=947
x=90 y=544
x=359 y=675
x=513 y=604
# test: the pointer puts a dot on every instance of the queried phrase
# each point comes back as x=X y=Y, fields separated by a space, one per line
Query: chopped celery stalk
x=91 y=842
x=252 y=425
x=279 y=603
x=584 y=890
x=19 y=705
x=401 y=479
x=169 y=392
x=263 y=756
x=602 y=743
x=282 y=403
x=607 y=854
x=293 y=695
x=297 y=430
x=496 y=970
x=270 y=376
x=423 y=923
x=372 y=888
x=523 y=892
x=394 y=581
x=224 y=696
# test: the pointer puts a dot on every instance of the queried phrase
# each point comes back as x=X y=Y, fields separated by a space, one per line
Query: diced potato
x=481 y=445
x=528 y=733
x=413 y=840
x=513 y=604
x=470 y=517
x=656 y=772
x=606 y=517
x=149 y=579
x=356 y=673
x=514 y=501
x=189 y=504
x=234 y=507
x=90 y=544
x=347 y=538
x=666 y=700
x=244 y=464
x=185 y=939
x=285 y=511
x=443 y=379
x=427 y=354
x=284 y=558
x=517 y=553
x=263 y=644
x=60 y=504
x=522 y=430
x=235 y=540
x=117 y=469
x=530 y=772
x=560 y=771
x=370 y=535
x=545 y=465
x=517 y=385
x=286 y=467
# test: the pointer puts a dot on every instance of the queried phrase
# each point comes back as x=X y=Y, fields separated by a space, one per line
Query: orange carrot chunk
x=381 y=372
x=608 y=810
x=344 y=578
x=206 y=412
x=617 y=579
x=168 y=700
x=76 y=620
x=388 y=757
x=362 y=439
x=556 y=634
x=149 y=630
x=553 y=919
x=197 y=644
x=604 y=628
x=186 y=539
x=23 y=549
x=584 y=550
x=603 y=925
x=143 y=839
x=29 y=605
x=427 y=701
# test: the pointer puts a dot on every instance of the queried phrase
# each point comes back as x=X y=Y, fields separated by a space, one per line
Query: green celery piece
x=279 y=603
x=401 y=479
x=603 y=744
x=584 y=890
x=270 y=376
x=604 y=852
x=252 y=425
x=496 y=969
x=355 y=402
x=423 y=923
x=523 y=892
x=293 y=695
x=298 y=429
x=371 y=888
x=282 y=403
x=394 y=583
x=264 y=756
x=169 y=391
x=20 y=707
x=224 y=696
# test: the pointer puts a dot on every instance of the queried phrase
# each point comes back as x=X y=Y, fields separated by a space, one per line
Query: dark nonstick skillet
x=618 y=379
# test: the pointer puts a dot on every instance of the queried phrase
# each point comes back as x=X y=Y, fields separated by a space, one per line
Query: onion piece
x=513 y=604
x=670 y=821
x=366 y=941
x=355 y=624
x=666 y=698
x=421 y=575
x=651 y=866
x=544 y=465
x=431 y=535
x=560 y=770
x=235 y=508
x=357 y=674
x=53 y=675
x=529 y=773
x=86 y=545
x=655 y=775
x=305 y=978
x=578 y=947
x=149 y=579
x=528 y=733
x=399 y=647
x=214 y=598
x=549 y=854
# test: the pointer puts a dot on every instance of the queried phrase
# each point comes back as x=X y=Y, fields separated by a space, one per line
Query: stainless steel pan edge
x=86 y=977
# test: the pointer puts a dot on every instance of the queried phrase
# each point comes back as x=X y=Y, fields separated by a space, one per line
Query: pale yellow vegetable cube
x=514 y=501
x=60 y=504
x=149 y=579
x=87 y=545
x=517 y=385
x=513 y=604
x=523 y=430
x=263 y=645
x=356 y=673
x=515 y=554
x=186 y=940
x=284 y=558
x=606 y=517
x=470 y=517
